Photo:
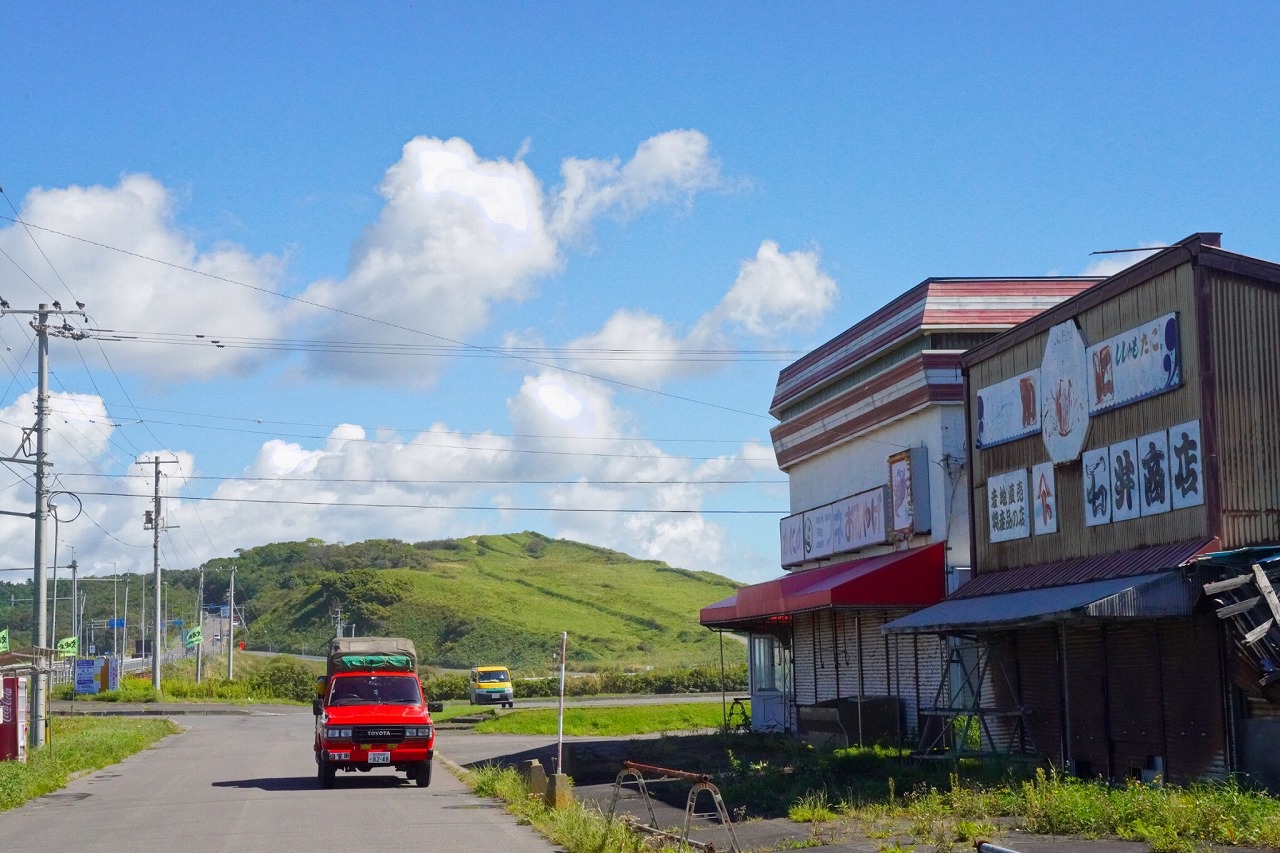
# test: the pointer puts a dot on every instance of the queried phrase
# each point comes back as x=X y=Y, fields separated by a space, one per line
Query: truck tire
x=422 y=773
x=325 y=773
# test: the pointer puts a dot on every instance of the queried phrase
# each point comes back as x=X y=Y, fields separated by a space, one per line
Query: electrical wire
x=460 y=507
x=387 y=323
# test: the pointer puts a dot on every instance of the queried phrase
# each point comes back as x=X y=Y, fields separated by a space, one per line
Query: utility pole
x=200 y=625
x=231 y=625
x=39 y=606
x=124 y=641
x=115 y=615
x=75 y=610
x=154 y=521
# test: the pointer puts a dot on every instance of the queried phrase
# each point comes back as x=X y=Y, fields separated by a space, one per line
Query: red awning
x=913 y=578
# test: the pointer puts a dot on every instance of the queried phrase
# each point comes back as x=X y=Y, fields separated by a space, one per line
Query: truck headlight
x=335 y=733
x=423 y=732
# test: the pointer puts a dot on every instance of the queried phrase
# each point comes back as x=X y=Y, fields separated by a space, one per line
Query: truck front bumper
x=370 y=756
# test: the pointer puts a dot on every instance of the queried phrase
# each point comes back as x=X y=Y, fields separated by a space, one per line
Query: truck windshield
x=494 y=675
x=375 y=690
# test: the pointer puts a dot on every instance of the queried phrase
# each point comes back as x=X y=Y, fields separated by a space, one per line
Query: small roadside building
x=871 y=436
x=1125 y=527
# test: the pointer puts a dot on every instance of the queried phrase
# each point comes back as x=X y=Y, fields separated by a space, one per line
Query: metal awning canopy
x=1167 y=593
x=912 y=578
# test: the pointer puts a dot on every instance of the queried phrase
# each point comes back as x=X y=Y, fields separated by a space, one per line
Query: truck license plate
x=379 y=758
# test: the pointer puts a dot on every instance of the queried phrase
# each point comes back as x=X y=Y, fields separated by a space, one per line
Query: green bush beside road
x=664 y=682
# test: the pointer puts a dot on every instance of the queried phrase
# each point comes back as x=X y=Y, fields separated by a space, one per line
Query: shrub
x=282 y=678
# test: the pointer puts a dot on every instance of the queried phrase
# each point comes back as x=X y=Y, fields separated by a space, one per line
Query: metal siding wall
x=829 y=666
x=877 y=666
x=1136 y=703
x=1247 y=373
x=1193 y=699
x=1001 y=690
x=805 y=671
x=1171 y=291
x=1037 y=656
x=1086 y=691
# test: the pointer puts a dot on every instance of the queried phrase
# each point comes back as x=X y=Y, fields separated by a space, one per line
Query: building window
x=766 y=663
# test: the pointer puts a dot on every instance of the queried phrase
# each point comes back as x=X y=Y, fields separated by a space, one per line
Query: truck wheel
x=423 y=773
x=325 y=773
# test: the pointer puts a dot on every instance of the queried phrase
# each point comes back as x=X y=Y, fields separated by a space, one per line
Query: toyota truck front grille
x=377 y=734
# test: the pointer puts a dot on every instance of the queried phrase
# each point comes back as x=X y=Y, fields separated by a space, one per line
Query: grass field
x=610 y=721
x=77 y=744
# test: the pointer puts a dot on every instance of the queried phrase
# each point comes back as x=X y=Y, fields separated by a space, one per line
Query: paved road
x=246 y=783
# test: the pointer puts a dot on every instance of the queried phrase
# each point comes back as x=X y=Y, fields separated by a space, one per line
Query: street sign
x=116 y=623
x=177 y=623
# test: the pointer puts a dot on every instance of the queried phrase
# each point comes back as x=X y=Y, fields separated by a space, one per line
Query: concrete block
x=534 y=776
x=559 y=794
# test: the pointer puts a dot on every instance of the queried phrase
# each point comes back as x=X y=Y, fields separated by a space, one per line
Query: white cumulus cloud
x=670 y=167
x=778 y=291
x=129 y=291
x=774 y=291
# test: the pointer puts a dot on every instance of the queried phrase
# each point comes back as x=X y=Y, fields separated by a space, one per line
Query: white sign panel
x=791 y=532
x=1044 y=496
x=1187 y=465
x=1009 y=409
x=862 y=519
x=846 y=525
x=1097 y=486
x=1153 y=452
x=1008 y=506
x=817 y=528
x=1064 y=404
x=1123 y=458
x=1136 y=364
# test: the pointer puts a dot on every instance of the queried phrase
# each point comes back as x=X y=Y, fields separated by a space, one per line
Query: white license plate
x=379 y=758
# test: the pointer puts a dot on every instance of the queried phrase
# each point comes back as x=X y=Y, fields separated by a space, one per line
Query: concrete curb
x=70 y=708
x=147 y=712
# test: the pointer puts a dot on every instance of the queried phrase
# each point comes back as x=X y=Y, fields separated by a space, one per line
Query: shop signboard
x=1136 y=364
x=1008 y=506
x=835 y=528
x=1009 y=410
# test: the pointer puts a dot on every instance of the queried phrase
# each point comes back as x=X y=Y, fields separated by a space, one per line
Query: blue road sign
x=115 y=623
x=177 y=623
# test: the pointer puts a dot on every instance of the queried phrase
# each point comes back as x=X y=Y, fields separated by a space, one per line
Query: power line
x=390 y=325
x=467 y=482
x=459 y=507
x=442 y=350
x=443 y=446
x=405 y=430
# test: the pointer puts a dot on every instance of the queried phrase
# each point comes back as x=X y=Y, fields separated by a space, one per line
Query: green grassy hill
x=483 y=599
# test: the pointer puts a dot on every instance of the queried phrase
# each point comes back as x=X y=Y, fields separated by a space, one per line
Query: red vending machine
x=13 y=718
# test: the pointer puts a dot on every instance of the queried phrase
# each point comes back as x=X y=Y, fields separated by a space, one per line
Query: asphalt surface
x=246 y=783
x=460 y=749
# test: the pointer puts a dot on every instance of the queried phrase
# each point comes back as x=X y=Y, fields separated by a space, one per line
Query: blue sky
x=501 y=268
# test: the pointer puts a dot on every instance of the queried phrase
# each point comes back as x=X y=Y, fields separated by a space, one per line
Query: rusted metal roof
x=1167 y=593
x=913 y=578
x=1137 y=561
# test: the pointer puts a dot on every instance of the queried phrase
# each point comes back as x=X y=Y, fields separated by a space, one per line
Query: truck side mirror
x=316 y=706
x=435 y=707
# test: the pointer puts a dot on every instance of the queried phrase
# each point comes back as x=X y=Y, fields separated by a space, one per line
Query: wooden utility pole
x=40 y=599
x=155 y=521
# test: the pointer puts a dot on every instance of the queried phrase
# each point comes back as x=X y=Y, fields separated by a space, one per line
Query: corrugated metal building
x=1098 y=523
x=871 y=435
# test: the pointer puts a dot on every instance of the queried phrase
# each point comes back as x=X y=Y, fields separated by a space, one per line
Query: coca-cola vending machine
x=13 y=718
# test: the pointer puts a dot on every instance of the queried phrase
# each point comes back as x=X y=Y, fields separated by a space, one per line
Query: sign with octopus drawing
x=1064 y=399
